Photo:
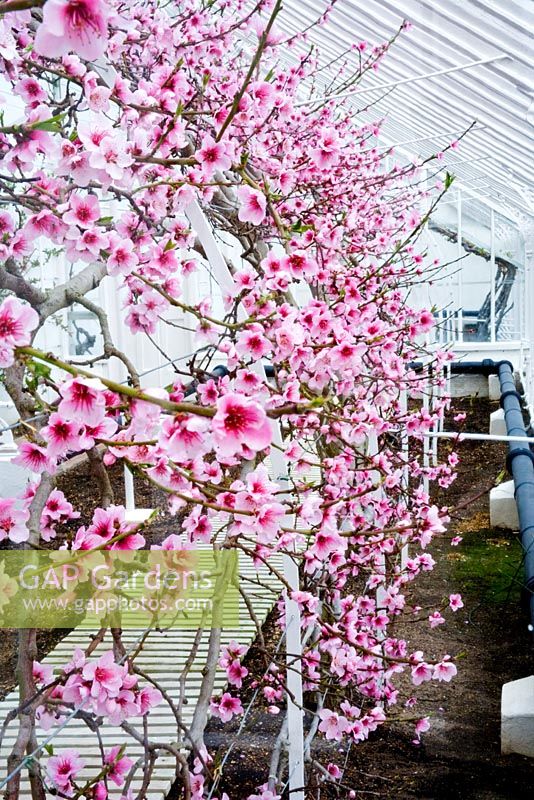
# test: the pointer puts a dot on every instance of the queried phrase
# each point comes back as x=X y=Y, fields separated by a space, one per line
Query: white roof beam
x=394 y=84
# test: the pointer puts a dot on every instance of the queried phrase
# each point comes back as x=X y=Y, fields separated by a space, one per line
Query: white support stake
x=426 y=460
x=129 y=493
x=295 y=710
x=405 y=480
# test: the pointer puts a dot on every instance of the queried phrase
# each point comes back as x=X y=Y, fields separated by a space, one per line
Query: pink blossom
x=182 y=437
x=83 y=210
x=61 y=435
x=147 y=698
x=42 y=673
x=198 y=526
x=334 y=771
x=98 y=98
x=421 y=726
x=111 y=156
x=445 y=670
x=268 y=520
x=263 y=93
x=265 y=794
x=109 y=523
x=436 y=619
x=100 y=791
x=226 y=707
x=34 y=458
x=78 y=26
x=119 y=765
x=8 y=48
x=83 y=401
x=17 y=321
x=253 y=344
x=421 y=672
x=86 y=247
x=326 y=154
x=57 y=511
x=253 y=205
x=122 y=259
x=63 y=769
x=212 y=156
x=332 y=724
x=104 y=676
x=30 y=90
x=13 y=521
x=299 y=265
x=230 y=652
x=7 y=224
x=57 y=506
x=327 y=541
x=236 y=672
x=118 y=708
x=240 y=421
x=455 y=602
x=103 y=430
x=92 y=131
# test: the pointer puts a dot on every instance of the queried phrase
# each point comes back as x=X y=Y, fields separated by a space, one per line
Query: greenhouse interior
x=267 y=399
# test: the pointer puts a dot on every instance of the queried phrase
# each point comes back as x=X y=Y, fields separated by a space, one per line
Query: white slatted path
x=164 y=656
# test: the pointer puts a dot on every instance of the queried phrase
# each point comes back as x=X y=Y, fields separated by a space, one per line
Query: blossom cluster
x=159 y=109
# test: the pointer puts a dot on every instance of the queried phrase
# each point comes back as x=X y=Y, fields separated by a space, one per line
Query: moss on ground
x=488 y=563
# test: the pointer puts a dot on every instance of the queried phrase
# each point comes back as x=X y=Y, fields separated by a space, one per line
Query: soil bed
x=459 y=758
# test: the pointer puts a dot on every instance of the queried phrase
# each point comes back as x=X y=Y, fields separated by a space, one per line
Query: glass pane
x=85 y=338
x=509 y=274
x=443 y=248
x=476 y=271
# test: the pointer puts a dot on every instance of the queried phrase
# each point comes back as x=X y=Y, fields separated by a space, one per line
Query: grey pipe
x=520 y=463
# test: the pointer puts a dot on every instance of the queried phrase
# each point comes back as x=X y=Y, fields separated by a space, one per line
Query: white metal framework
x=463 y=60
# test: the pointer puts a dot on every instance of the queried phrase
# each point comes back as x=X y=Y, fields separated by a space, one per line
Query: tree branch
x=86 y=280
x=12 y=280
x=20 y=5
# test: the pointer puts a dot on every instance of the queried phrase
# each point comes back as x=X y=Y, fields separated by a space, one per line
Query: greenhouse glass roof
x=483 y=53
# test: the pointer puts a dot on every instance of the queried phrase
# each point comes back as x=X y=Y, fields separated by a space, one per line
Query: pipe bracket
x=519 y=451
x=510 y=393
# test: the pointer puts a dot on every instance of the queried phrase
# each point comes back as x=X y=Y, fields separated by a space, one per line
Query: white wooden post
x=436 y=394
x=406 y=469
x=426 y=405
x=295 y=713
x=129 y=493
x=372 y=450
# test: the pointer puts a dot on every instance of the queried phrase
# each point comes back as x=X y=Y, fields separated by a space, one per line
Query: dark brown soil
x=460 y=756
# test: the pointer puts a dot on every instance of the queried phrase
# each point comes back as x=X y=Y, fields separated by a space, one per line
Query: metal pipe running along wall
x=520 y=463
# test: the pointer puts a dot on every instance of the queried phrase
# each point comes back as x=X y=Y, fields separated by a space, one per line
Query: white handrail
x=483 y=437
